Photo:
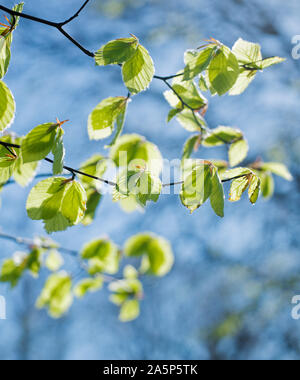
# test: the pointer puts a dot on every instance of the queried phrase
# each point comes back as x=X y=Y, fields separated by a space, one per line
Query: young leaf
x=197 y=187
x=93 y=200
x=101 y=121
x=247 y=53
x=238 y=187
x=196 y=62
x=56 y=295
x=277 y=169
x=141 y=184
x=7 y=107
x=88 y=285
x=217 y=194
x=58 y=151
x=190 y=145
x=156 y=252
x=13 y=269
x=7 y=163
x=223 y=70
x=254 y=189
x=95 y=166
x=116 y=51
x=244 y=80
x=54 y=260
x=58 y=202
x=102 y=256
x=238 y=152
x=130 y=310
x=267 y=185
x=39 y=142
x=138 y=71
x=268 y=62
x=230 y=174
x=6 y=40
x=222 y=135
x=135 y=152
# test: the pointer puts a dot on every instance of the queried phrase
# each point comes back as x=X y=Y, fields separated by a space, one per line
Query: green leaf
x=138 y=71
x=7 y=163
x=135 y=152
x=58 y=202
x=223 y=70
x=244 y=80
x=230 y=174
x=277 y=169
x=267 y=185
x=7 y=107
x=6 y=36
x=268 y=62
x=238 y=187
x=56 y=295
x=88 y=285
x=247 y=53
x=190 y=146
x=120 y=125
x=95 y=166
x=24 y=173
x=156 y=252
x=222 y=135
x=101 y=121
x=217 y=196
x=58 y=151
x=196 y=62
x=197 y=186
x=254 y=189
x=13 y=269
x=39 y=142
x=238 y=152
x=54 y=260
x=116 y=51
x=130 y=310
x=142 y=184
x=93 y=200
x=102 y=255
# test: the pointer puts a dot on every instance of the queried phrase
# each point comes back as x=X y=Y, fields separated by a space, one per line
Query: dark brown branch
x=69 y=169
x=56 y=25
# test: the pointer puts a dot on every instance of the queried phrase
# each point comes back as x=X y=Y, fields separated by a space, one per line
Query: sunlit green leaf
x=116 y=52
x=238 y=152
x=88 y=285
x=58 y=151
x=130 y=310
x=7 y=107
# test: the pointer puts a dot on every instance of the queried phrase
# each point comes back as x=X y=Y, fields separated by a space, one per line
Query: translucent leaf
x=238 y=152
x=93 y=200
x=196 y=62
x=7 y=163
x=24 y=173
x=56 y=295
x=116 y=52
x=222 y=135
x=277 y=169
x=190 y=146
x=54 y=260
x=271 y=61
x=58 y=202
x=103 y=256
x=247 y=53
x=101 y=121
x=6 y=40
x=267 y=185
x=7 y=107
x=13 y=269
x=135 y=152
x=130 y=310
x=138 y=71
x=233 y=173
x=95 y=166
x=197 y=187
x=156 y=252
x=39 y=142
x=217 y=196
x=238 y=187
x=223 y=70
x=244 y=80
x=254 y=189
x=120 y=125
x=58 y=151
x=88 y=285
x=141 y=184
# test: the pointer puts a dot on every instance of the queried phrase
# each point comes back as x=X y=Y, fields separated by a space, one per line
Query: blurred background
x=229 y=293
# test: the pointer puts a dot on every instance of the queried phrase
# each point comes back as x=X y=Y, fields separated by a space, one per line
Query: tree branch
x=56 y=25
